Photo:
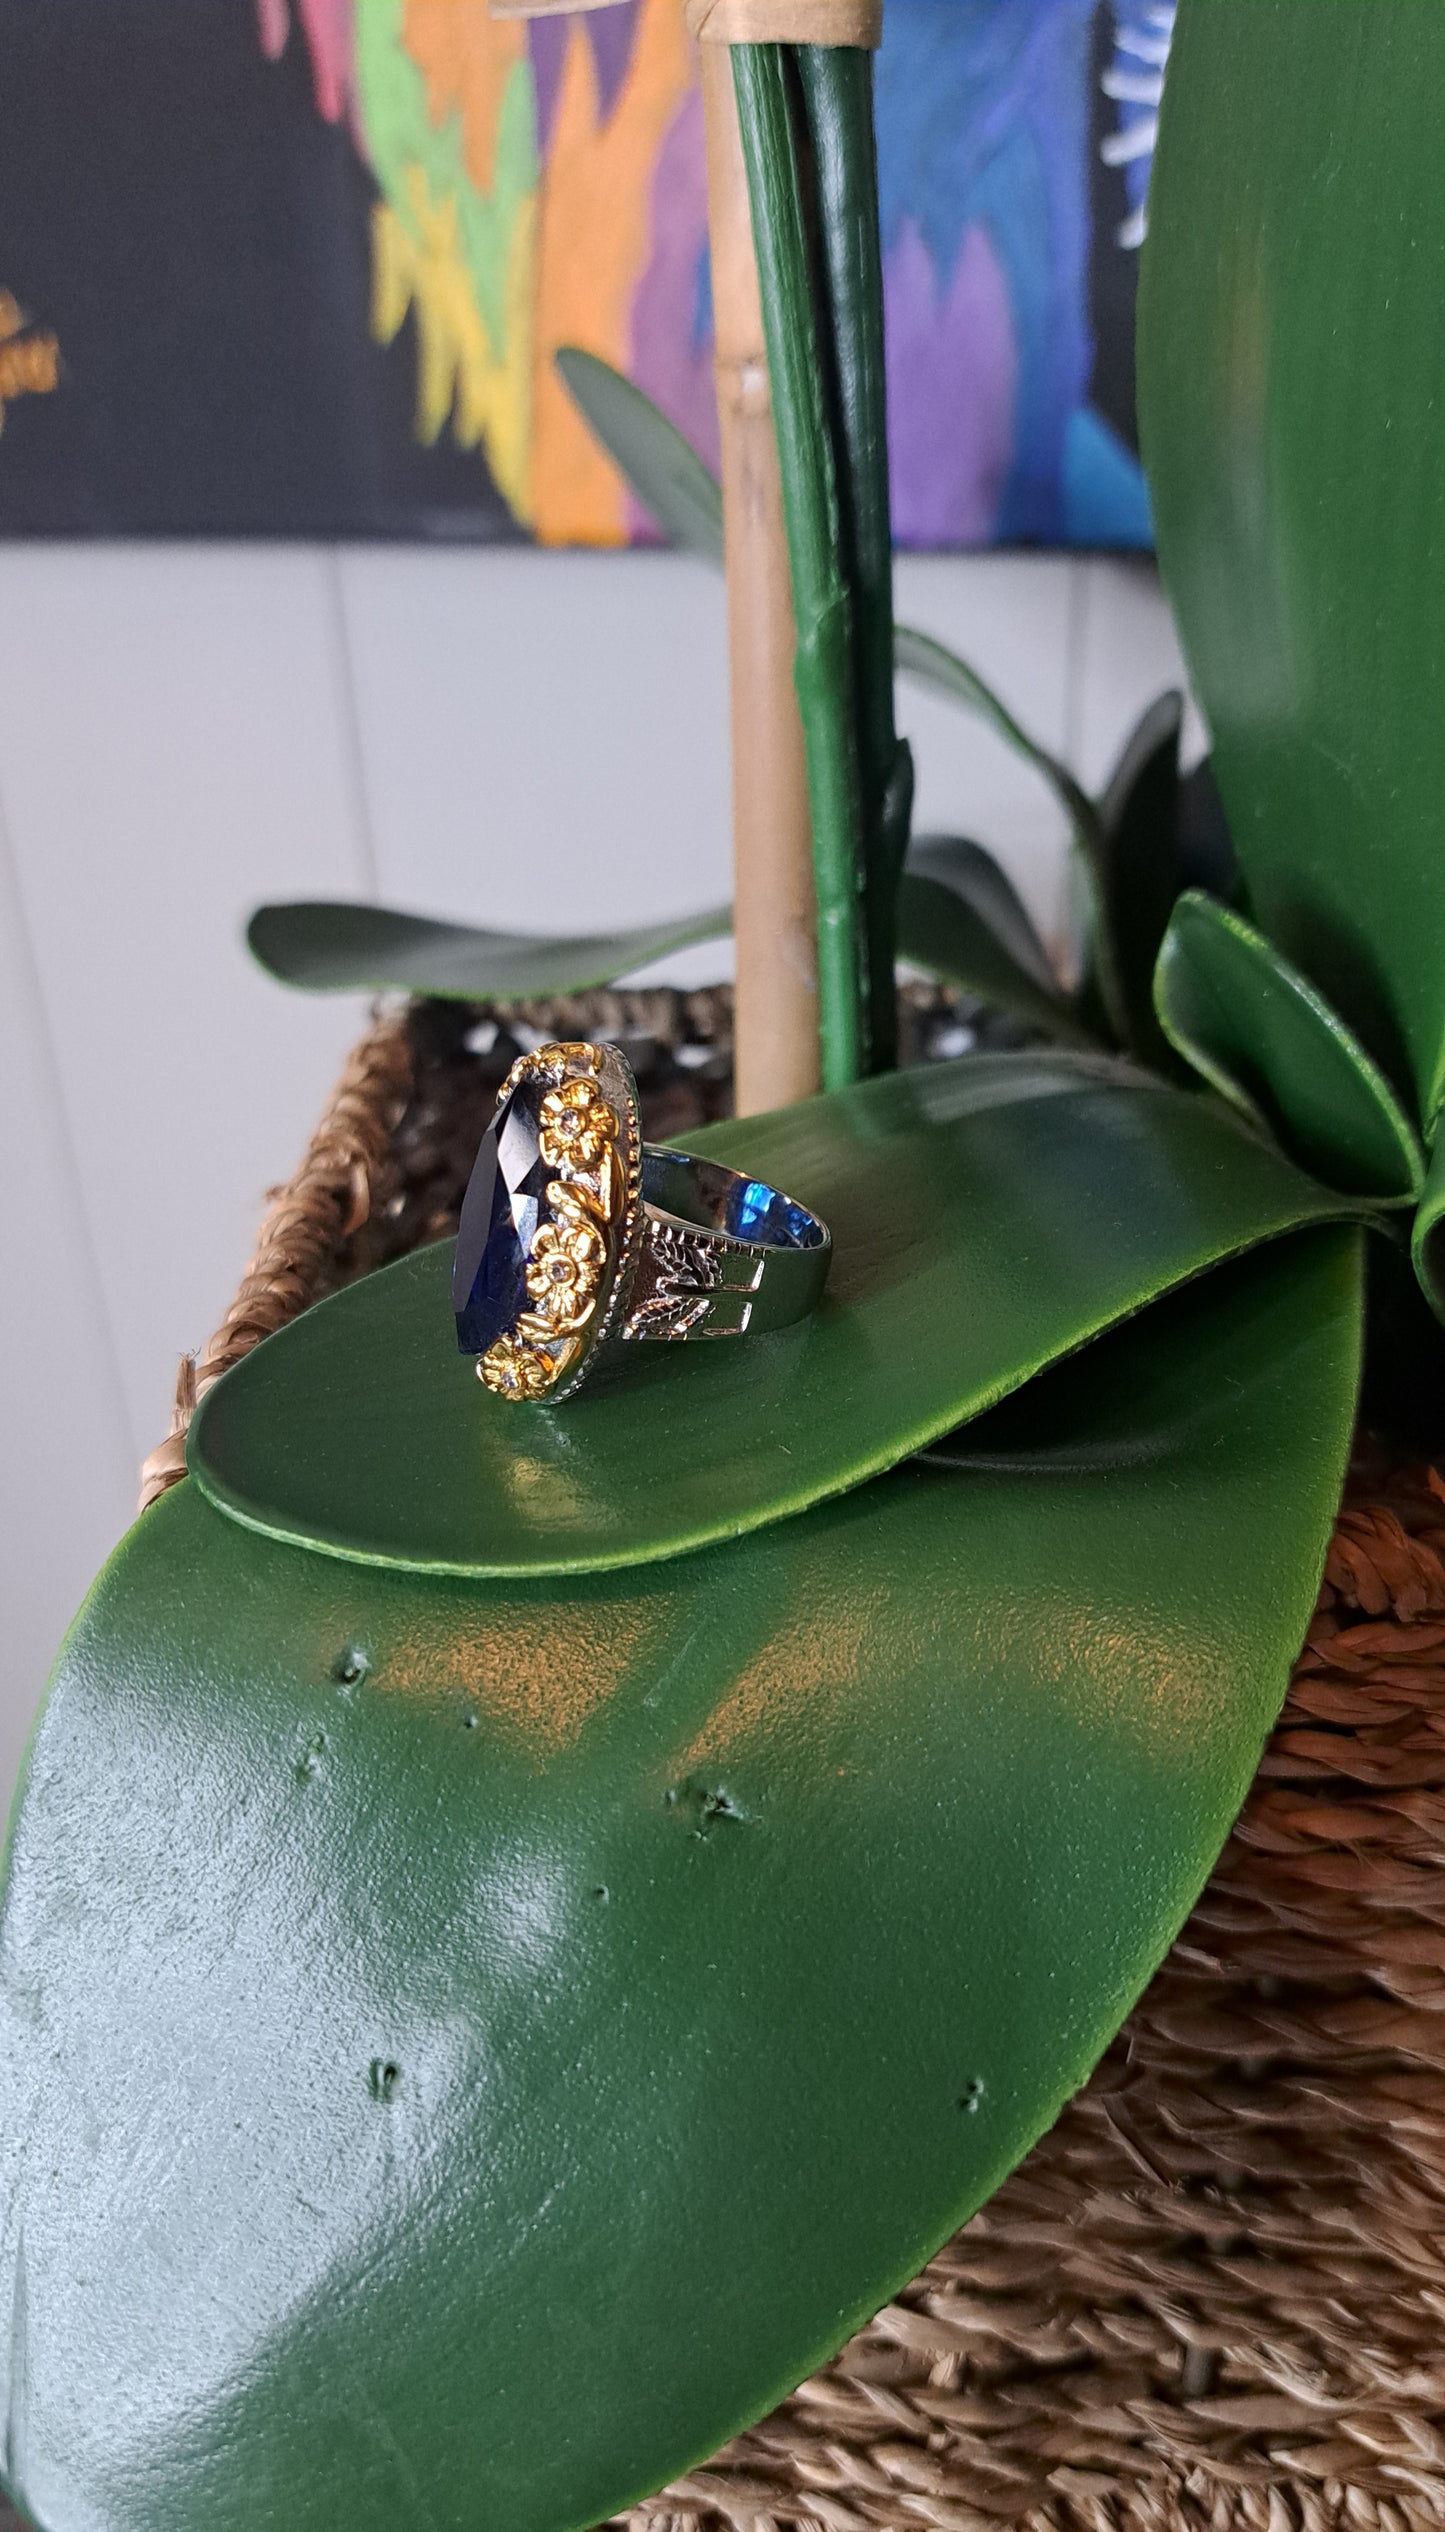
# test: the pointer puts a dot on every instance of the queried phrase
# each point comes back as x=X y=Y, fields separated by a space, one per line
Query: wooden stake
x=776 y=1029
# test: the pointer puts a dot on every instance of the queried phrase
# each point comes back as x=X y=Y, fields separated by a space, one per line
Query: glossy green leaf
x=1289 y=382
x=464 y=2051
x=330 y=946
x=662 y=467
x=1141 y=866
x=988 y=1216
x=943 y=929
x=1261 y=1034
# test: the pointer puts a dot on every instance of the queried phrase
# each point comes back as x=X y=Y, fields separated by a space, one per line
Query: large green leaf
x=465 y=2050
x=331 y=945
x=1263 y=1037
x=988 y=1216
x=1290 y=403
x=662 y=467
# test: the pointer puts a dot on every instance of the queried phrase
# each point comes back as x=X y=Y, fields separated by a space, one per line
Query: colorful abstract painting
x=389 y=214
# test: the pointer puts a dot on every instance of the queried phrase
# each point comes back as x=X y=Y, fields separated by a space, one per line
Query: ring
x=577 y=1238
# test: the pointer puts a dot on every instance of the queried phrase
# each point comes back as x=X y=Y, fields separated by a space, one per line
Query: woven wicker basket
x=1214 y=2295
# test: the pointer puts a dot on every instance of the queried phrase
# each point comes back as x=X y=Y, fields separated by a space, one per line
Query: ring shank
x=722 y=1255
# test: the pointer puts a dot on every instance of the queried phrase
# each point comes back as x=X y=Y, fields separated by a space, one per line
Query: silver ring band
x=576 y=1239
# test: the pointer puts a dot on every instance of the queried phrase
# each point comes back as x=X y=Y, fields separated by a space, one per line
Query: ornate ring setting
x=576 y=1238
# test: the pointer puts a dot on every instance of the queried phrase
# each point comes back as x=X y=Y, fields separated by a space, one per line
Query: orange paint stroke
x=593 y=245
x=466 y=56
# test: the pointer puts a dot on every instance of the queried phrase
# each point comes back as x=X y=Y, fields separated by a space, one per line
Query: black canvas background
x=174 y=209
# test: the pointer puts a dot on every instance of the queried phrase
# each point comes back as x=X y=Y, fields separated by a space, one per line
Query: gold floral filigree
x=578 y=1133
x=571 y=1055
x=566 y=1266
x=511 y=1369
x=576 y=1126
x=575 y=1203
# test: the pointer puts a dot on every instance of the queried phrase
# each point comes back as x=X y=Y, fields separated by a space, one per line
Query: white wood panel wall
x=534 y=740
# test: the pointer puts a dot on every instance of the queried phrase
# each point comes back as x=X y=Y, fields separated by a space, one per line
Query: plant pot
x=1214 y=2294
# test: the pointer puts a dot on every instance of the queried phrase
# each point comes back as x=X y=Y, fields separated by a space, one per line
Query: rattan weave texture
x=1214 y=2295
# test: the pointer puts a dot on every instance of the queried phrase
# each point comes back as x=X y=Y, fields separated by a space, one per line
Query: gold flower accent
x=567 y=1259
x=513 y=1370
x=576 y=1126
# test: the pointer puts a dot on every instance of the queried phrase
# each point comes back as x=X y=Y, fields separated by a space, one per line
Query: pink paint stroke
x=327 y=27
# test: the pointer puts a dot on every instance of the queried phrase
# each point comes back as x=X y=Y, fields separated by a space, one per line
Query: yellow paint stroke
x=448 y=111
x=29 y=363
x=593 y=243
x=420 y=263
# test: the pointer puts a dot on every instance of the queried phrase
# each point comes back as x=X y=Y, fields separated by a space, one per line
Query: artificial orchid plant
x=522 y=1929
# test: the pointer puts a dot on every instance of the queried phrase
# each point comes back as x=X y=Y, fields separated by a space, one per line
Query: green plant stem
x=837 y=86
x=824 y=667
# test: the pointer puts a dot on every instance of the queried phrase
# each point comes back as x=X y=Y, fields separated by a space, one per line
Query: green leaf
x=970 y=871
x=1427 y=1243
x=663 y=469
x=1289 y=385
x=466 y=2050
x=988 y=1216
x=335 y=947
x=1142 y=868
x=919 y=655
x=942 y=928
x=332 y=946
x=1268 y=1041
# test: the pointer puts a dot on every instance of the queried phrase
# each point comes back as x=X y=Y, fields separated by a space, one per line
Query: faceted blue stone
x=500 y=1212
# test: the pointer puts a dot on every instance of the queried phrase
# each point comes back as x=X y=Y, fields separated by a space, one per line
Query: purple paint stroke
x=952 y=389
x=670 y=355
x=547 y=42
x=612 y=32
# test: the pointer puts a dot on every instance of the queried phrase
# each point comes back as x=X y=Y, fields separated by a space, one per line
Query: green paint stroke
x=400 y=135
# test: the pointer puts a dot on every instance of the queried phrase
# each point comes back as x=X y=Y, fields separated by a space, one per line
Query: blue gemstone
x=499 y=1221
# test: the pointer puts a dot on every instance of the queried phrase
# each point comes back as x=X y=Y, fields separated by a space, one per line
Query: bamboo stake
x=776 y=1025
